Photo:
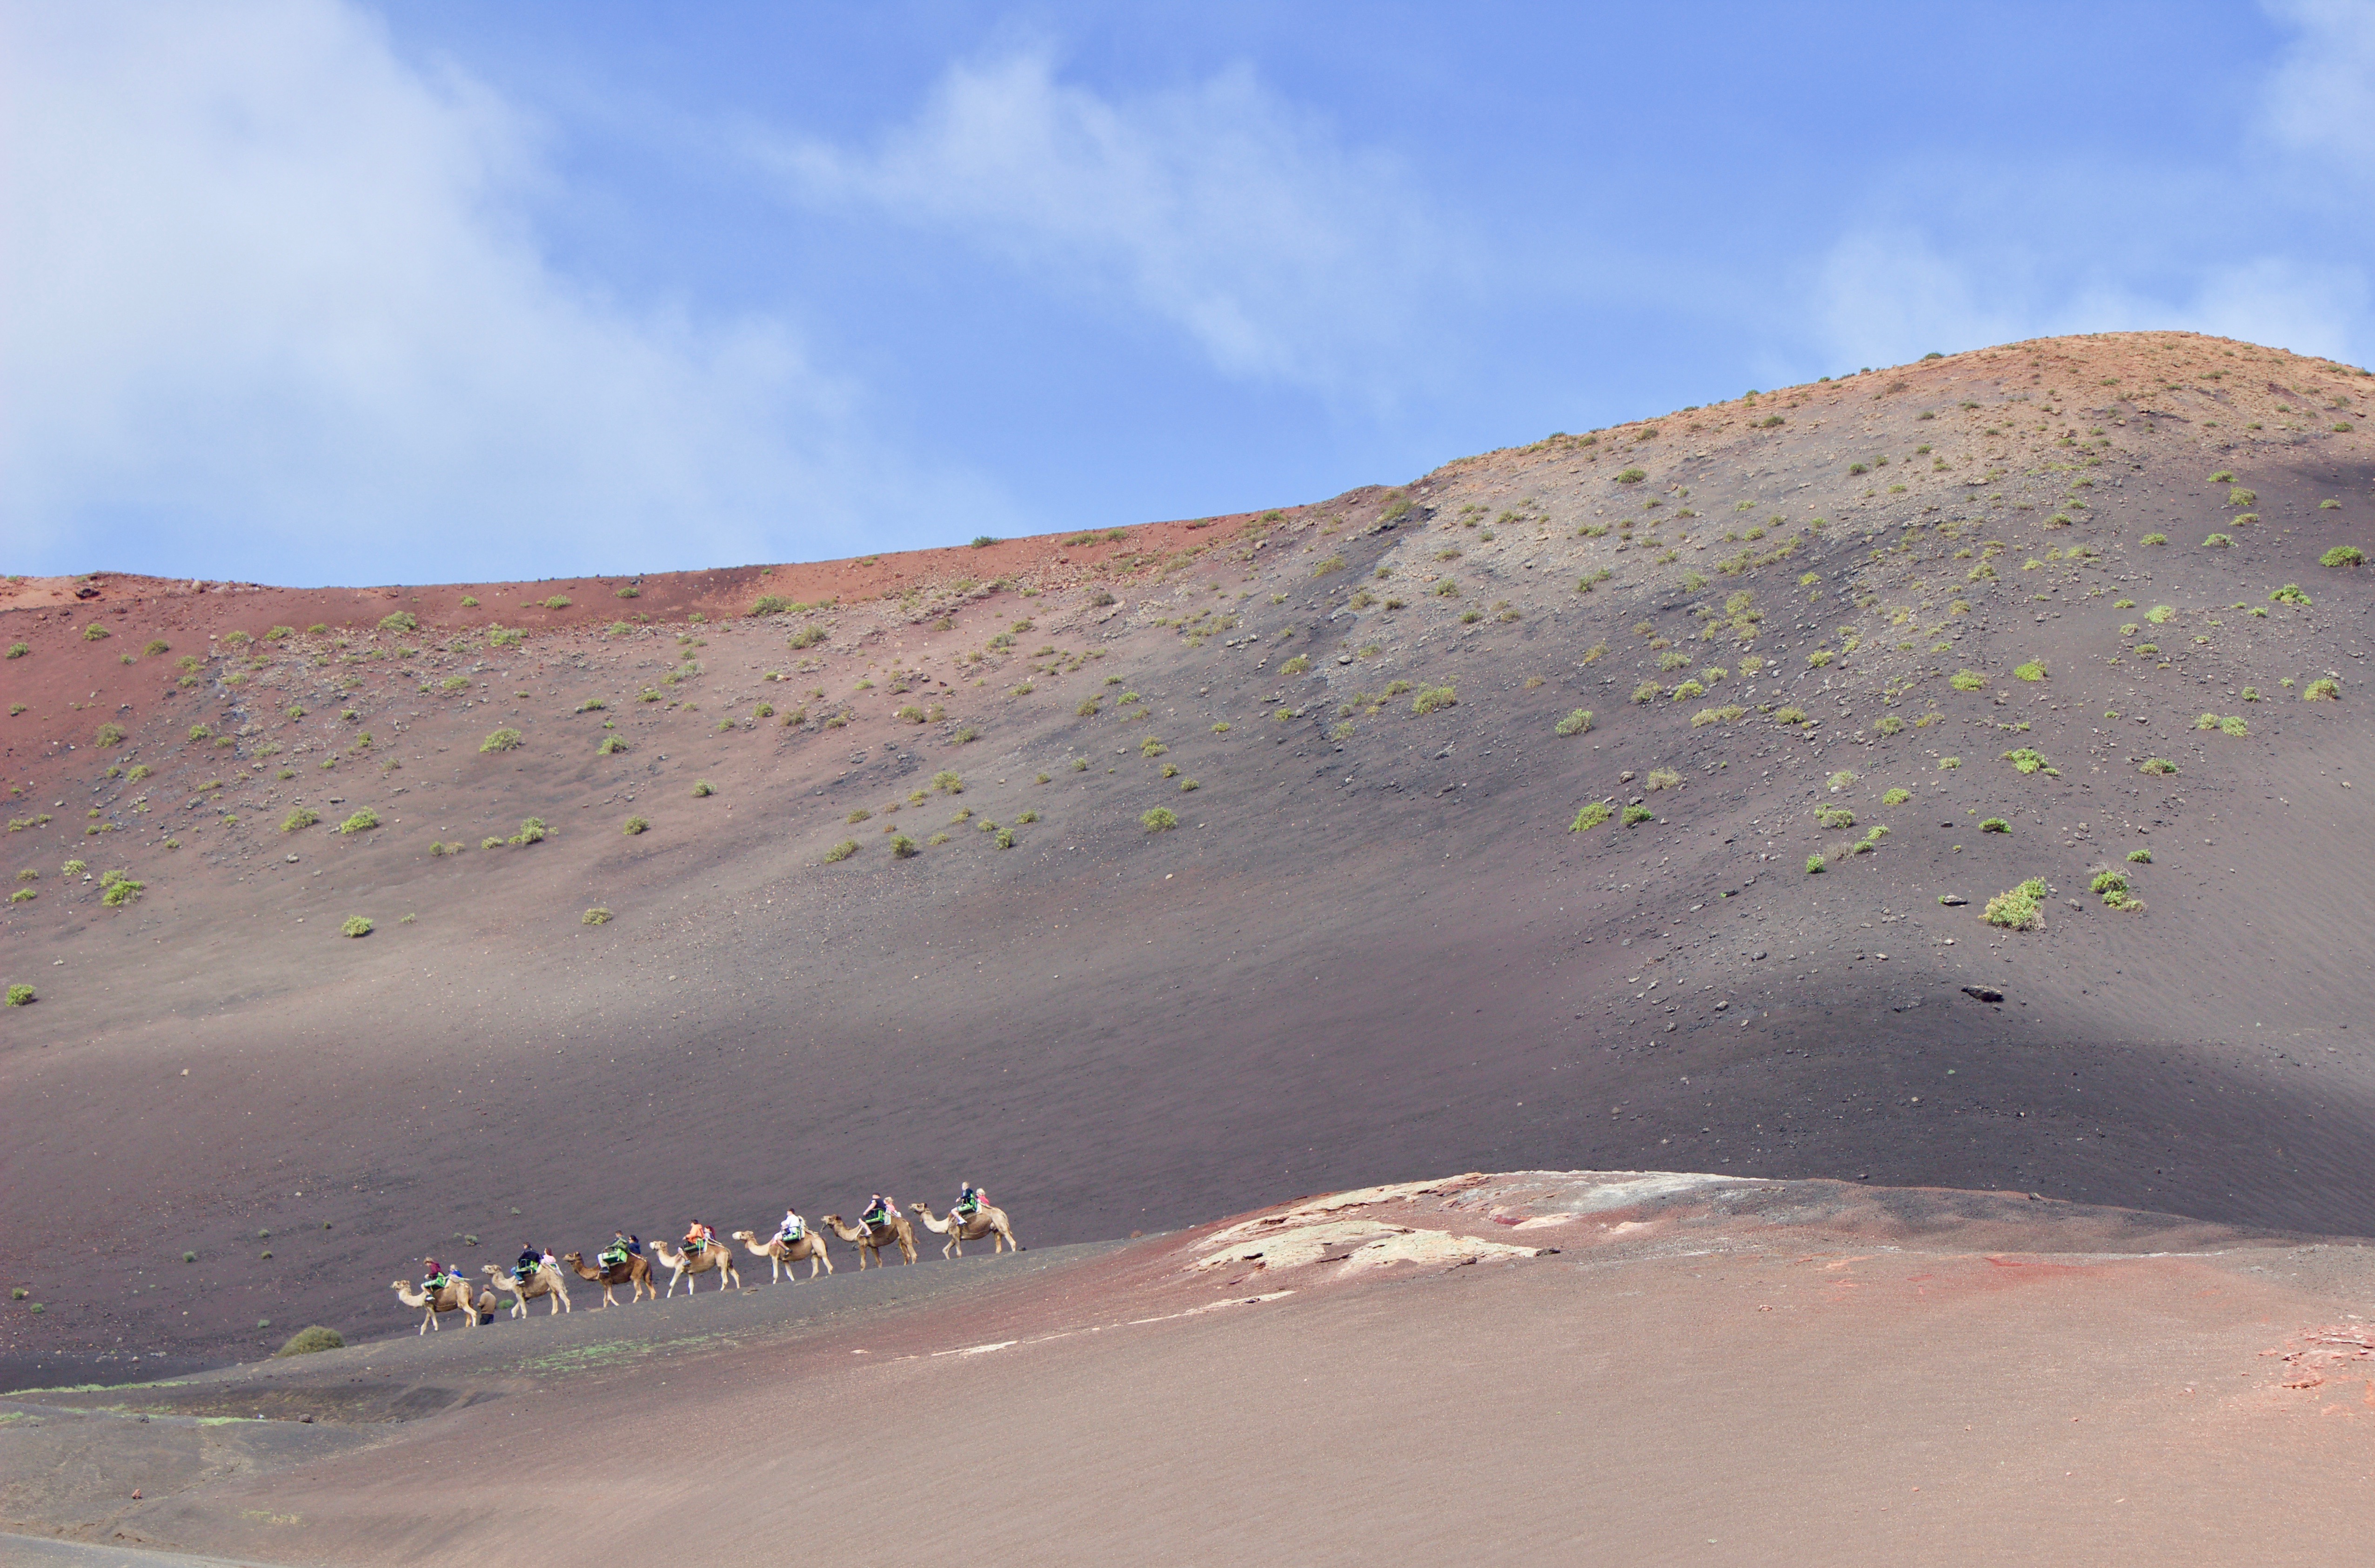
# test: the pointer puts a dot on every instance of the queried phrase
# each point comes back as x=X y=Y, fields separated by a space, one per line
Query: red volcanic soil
x=1370 y=949
x=1706 y=1369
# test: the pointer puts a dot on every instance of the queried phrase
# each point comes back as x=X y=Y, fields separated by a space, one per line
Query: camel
x=870 y=1241
x=984 y=1222
x=545 y=1281
x=449 y=1298
x=782 y=1255
x=717 y=1256
x=636 y=1271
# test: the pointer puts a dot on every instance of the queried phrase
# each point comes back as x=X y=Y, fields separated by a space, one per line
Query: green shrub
x=1594 y=812
x=1790 y=715
x=1814 y=864
x=20 y=996
x=1966 y=681
x=807 y=636
x=1576 y=723
x=2160 y=615
x=1895 y=797
x=111 y=735
x=2153 y=539
x=1631 y=476
x=634 y=825
x=362 y=822
x=1688 y=691
x=2217 y=542
x=2291 y=594
x=2323 y=690
x=2029 y=761
x=1995 y=825
x=1820 y=657
x=400 y=620
x=94 y=632
x=497 y=637
x=502 y=740
x=611 y=746
x=948 y=782
x=19 y=650
x=301 y=818
x=701 y=788
x=1295 y=666
x=2032 y=670
x=1833 y=817
x=306 y=1342
x=2156 y=765
x=356 y=925
x=1637 y=815
x=595 y=917
x=1430 y=698
x=2148 y=650
x=2140 y=856
x=531 y=830
x=121 y=890
x=841 y=850
x=2340 y=555
x=2016 y=908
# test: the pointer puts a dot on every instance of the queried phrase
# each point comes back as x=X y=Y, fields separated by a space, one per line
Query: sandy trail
x=1712 y=1371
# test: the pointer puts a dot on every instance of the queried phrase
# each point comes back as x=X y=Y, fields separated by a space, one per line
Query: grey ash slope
x=1360 y=956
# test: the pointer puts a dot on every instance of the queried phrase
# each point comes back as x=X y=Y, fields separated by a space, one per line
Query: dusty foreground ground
x=1706 y=1369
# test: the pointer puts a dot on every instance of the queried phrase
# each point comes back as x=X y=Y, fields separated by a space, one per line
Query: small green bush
x=2323 y=690
x=611 y=746
x=502 y=740
x=595 y=917
x=19 y=650
x=1158 y=820
x=2028 y=760
x=2016 y=908
x=1895 y=797
x=306 y=1342
x=1833 y=817
x=1430 y=698
x=1648 y=691
x=111 y=735
x=2032 y=670
x=1637 y=815
x=2160 y=615
x=2291 y=594
x=1789 y=715
x=1966 y=681
x=1814 y=864
x=20 y=996
x=1631 y=476
x=1576 y=723
x=2156 y=765
x=356 y=925
x=531 y=830
x=362 y=822
x=634 y=825
x=2340 y=555
x=2153 y=539
x=2140 y=856
x=841 y=850
x=301 y=818
x=701 y=788
x=94 y=632
x=1594 y=812
x=1995 y=825
x=400 y=620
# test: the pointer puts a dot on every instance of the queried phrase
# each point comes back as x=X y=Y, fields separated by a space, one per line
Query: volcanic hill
x=1151 y=873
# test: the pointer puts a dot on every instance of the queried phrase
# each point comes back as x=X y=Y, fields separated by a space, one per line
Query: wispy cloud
x=1283 y=254
x=272 y=311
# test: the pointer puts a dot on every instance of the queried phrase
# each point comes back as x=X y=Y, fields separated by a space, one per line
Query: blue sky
x=312 y=291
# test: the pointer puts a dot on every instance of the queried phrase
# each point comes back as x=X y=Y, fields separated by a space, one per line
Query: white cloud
x=2321 y=95
x=1883 y=296
x=271 y=311
x=1283 y=255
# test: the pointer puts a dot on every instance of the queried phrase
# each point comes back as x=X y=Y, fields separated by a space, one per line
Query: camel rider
x=437 y=1279
x=621 y=1247
x=531 y=1259
x=969 y=1201
x=697 y=1237
x=878 y=1212
x=792 y=1229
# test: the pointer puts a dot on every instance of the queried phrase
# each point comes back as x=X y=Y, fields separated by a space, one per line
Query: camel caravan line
x=882 y=1228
